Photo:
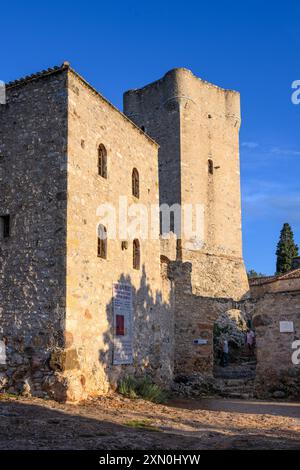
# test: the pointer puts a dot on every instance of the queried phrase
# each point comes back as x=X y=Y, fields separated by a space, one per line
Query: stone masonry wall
x=194 y=121
x=89 y=323
x=276 y=375
x=33 y=141
x=194 y=318
x=275 y=285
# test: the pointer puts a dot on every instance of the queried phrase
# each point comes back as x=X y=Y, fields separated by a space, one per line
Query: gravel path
x=118 y=423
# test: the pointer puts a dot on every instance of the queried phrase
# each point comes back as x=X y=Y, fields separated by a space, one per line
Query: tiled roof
x=34 y=76
x=258 y=281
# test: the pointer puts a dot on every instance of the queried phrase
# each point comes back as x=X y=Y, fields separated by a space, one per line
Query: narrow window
x=210 y=166
x=4 y=226
x=136 y=254
x=135 y=183
x=102 y=242
x=102 y=161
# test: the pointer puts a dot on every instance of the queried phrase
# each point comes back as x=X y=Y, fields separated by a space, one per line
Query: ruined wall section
x=33 y=140
x=194 y=319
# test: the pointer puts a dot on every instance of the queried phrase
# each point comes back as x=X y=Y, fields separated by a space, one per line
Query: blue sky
x=249 y=46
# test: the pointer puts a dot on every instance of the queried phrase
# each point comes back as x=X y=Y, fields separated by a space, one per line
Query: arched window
x=135 y=183
x=102 y=242
x=102 y=161
x=210 y=166
x=136 y=254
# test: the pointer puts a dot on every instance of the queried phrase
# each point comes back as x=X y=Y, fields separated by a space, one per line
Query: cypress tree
x=286 y=250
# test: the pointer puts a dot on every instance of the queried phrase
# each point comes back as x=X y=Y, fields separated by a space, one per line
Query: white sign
x=122 y=313
x=200 y=341
x=2 y=93
x=2 y=353
x=286 y=327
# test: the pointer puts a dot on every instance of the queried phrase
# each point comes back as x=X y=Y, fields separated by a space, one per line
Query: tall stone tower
x=197 y=126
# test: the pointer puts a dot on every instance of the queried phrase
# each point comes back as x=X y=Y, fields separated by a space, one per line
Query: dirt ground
x=118 y=423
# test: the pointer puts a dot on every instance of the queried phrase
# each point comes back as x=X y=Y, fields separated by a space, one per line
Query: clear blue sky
x=250 y=46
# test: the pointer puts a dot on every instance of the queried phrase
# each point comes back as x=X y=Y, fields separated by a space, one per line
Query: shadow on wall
x=231 y=325
x=32 y=292
x=152 y=328
x=195 y=317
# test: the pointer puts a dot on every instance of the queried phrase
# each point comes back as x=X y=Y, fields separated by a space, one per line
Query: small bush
x=151 y=392
x=127 y=387
x=142 y=388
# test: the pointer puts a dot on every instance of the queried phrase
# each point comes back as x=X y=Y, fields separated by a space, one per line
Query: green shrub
x=141 y=424
x=127 y=387
x=142 y=388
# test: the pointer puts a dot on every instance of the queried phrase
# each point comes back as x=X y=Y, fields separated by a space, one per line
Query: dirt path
x=118 y=423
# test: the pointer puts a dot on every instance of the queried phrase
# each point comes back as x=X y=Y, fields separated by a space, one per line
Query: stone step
x=235 y=376
x=247 y=389
x=237 y=382
x=242 y=395
x=246 y=361
x=236 y=370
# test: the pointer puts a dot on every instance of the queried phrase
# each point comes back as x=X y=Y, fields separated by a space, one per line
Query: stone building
x=80 y=305
x=56 y=285
x=276 y=319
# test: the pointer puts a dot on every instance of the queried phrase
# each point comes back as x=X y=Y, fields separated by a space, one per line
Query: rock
x=62 y=360
x=36 y=362
x=26 y=389
x=55 y=386
x=19 y=373
x=39 y=394
x=17 y=359
x=262 y=320
x=3 y=380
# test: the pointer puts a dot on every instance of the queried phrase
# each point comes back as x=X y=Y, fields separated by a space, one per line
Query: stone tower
x=197 y=127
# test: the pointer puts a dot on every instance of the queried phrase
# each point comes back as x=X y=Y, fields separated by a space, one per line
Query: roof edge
x=65 y=66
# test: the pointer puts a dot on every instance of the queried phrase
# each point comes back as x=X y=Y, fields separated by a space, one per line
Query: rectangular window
x=120 y=325
x=4 y=226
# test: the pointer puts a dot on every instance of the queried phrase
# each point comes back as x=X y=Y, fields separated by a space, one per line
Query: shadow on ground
x=274 y=408
x=103 y=425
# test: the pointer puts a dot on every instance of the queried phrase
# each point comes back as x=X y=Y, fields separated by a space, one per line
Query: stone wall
x=56 y=300
x=194 y=121
x=89 y=321
x=55 y=292
x=33 y=149
x=194 y=319
x=276 y=375
x=168 y=247
x=285 y=283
